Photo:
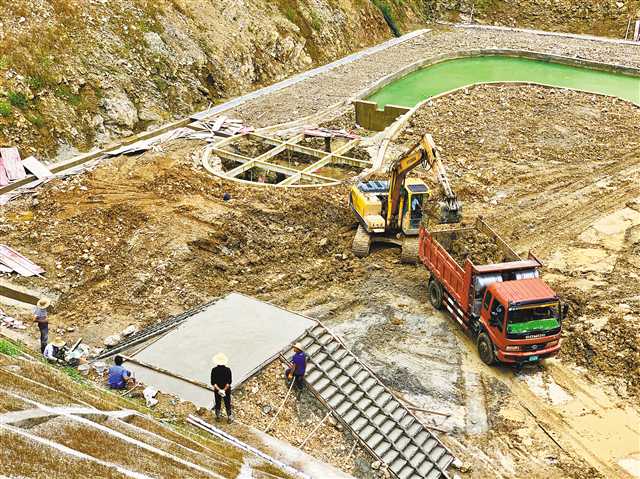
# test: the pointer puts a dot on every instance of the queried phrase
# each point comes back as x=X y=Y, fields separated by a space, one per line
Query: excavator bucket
x=450 y=213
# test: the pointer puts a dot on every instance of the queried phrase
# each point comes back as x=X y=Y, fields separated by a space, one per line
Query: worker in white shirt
x=53 y=351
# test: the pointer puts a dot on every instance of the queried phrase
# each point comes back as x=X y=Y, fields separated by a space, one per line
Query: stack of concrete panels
x=383 y=424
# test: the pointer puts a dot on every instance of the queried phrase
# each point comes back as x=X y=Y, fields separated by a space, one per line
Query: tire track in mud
x=589 y=425
x=571 y=207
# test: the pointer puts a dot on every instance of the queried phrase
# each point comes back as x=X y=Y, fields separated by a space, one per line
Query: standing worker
x=298 y=367
x=41 y=316
x=221 y=382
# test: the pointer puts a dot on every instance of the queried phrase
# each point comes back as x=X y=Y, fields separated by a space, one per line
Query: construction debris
x=10 y=258
x=37 y=168
x=9 y=322
x=11 y=164
x=223 y=126
x=150 y=394
x=329 y=133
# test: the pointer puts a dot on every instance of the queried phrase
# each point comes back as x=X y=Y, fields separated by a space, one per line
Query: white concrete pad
x=248 y=331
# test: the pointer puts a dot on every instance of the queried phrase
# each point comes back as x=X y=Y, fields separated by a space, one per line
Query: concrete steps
x=360 y=400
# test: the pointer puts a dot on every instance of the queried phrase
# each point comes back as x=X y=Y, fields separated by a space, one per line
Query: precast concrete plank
x=248 y=331
x=371 y=411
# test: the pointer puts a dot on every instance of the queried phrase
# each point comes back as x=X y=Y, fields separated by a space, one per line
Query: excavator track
x=361 y=243
x=409 y=252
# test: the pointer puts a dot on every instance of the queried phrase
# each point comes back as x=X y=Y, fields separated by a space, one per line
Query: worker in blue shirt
x=298 y=367
x=119 y=376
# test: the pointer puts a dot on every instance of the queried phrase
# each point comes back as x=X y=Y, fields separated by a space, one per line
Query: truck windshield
x=532 y=318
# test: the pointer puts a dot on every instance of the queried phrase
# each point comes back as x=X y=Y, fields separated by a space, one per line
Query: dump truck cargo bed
x=514 y=315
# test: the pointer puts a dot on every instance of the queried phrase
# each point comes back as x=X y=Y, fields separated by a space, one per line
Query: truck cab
x=521 y=320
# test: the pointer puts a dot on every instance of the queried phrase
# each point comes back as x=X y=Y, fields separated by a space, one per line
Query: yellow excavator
x=391 y=211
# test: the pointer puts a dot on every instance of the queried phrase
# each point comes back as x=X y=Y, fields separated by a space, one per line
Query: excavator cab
x=416 y=194
x=391 y=211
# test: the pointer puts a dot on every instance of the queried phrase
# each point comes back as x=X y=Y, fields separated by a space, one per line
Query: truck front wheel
x=435 y=294
x=485 y=349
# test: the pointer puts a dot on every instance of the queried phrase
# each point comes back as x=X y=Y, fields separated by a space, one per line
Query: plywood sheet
x=12 y=164
x=38 y=169
x=248 y=331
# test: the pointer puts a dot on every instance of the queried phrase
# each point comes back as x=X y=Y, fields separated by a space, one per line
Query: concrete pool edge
x=503 y=52
x=393 y=131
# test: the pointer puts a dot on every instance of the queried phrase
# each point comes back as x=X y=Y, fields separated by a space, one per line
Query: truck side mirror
x=565 y=310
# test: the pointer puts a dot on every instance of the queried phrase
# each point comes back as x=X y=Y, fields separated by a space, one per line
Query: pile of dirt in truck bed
x=475 y=245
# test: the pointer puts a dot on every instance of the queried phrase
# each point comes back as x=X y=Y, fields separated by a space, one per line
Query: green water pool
x=451 y=74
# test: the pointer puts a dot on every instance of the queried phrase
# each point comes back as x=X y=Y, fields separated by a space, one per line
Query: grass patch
x=36 y=120
x=290 y=13
x=5 y=108
x=17 y=99
x=36 y=82
x=9 y=349
x=316 y=21
x=65 y=93
x=73 y=374
x=4 y=62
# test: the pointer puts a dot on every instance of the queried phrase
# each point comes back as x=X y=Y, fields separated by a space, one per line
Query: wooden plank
x=231 y=156
x=240 y=169
x=4 y=179
x=16 y=294
x=19 y=263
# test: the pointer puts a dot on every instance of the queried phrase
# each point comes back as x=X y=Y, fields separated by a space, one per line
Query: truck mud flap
x=455 y=312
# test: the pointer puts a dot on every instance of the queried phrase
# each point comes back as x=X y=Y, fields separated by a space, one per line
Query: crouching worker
x=119 y=377
x=298 y=367
x=221 y=382
x=54 y=351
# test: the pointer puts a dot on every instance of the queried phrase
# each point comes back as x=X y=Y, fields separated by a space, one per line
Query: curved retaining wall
x=394 y=130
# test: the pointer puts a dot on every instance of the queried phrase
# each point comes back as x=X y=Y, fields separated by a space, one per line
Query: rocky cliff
x=81 y=72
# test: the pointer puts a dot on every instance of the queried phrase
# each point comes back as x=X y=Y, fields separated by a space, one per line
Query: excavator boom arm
x=426 y=153
x=423 y=152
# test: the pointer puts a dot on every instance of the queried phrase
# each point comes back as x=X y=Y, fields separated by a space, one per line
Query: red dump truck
x=514 y=316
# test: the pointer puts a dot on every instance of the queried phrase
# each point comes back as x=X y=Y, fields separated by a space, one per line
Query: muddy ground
x=554 y=171
x=557 y=172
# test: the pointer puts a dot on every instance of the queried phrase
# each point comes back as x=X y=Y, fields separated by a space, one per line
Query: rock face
x=82 y=73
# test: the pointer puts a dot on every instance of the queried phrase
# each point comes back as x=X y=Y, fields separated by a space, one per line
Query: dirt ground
x=556 y=172
x=141 y=238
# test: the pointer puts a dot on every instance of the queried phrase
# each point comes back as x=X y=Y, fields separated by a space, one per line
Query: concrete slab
x=248 y=331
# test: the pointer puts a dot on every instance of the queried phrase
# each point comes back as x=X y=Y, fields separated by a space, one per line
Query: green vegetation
x=65 y=93
x=36 y=120
x=9 y=348
x=73 y=374
x=4 y=62
x=36 y=82
x=5 y=108
x=316 y=21
x=290 y=13
x=17 y=99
